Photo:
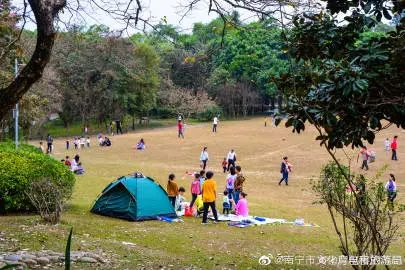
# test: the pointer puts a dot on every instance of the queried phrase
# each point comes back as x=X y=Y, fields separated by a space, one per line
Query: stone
x=96 y=256
x=29 y=262
x=43 y=260
x=53 y=258
x=12 y=258
x=28 y=257
x=87 y=260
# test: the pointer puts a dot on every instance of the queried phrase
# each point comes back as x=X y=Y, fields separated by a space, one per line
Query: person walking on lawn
x=180 y=129
x=215 y=124
x=231 y=159
x=284 y=171
x=204 y=158
x=364 y=157
x=394 y=147
x=209 y=195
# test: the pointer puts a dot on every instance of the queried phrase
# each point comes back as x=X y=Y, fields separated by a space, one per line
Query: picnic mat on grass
x=243 y=222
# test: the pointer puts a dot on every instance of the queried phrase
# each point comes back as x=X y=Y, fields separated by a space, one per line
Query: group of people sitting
x=103 y=141
x=74 y=165
x=203 y=191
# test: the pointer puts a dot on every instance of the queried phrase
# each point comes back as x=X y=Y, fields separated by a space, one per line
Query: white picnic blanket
x=251 y=219
x=263 y=220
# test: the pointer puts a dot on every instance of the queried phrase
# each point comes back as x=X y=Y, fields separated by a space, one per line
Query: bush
x=209 y=113
x=19 y=169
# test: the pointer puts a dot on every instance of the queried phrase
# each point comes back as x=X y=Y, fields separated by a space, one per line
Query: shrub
x=19 y=169
x=47 y=198
x=209 y=113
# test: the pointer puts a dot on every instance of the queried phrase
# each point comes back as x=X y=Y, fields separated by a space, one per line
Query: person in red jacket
x=394 y=146
x=180 y=128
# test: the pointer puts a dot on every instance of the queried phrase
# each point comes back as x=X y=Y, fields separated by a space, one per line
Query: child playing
x=226 y=204
x=241 y=208
x=67 y=144
x=180 y=199
x=387 y=145
x=195 y=189
x=172 y=189
x=224 y=164
x=141 y=145
x=88 y=142
x=67 y=162
x=79 y=169
x=209 y=195
x=41 y=147
x=76 y=142
x=82 y=142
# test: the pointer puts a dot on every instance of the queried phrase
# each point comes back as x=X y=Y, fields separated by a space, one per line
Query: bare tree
x=45 y=15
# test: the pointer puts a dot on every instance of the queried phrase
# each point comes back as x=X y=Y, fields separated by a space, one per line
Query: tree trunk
x=45 y=12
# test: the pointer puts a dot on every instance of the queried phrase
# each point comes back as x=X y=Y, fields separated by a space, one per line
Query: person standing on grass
x=195 y=189
x=172 y=189
x=391 y=188
x=231 y=157
x=230 y=183
x=284 y=170
x=239 y=183
x=215 y=124
x=49 y=141
x=202 y=178
x=41 y=147
x=364 y=157
x=224 y=164
x=394 y=147
x=204 y=158
x=209 y=195
x=180 y=129
x=387 y=145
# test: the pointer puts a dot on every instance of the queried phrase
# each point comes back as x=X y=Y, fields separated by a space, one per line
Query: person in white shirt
x=215 y=124
x=387 y=145
x=204 y=158
x=231 y=157
x=82 y=142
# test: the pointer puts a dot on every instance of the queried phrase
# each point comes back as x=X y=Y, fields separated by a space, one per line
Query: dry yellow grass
x=259 y=151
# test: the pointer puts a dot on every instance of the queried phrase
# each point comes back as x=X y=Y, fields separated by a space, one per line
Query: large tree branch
x=45 y=12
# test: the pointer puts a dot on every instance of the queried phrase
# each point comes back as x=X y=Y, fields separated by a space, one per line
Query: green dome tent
x=134 y=198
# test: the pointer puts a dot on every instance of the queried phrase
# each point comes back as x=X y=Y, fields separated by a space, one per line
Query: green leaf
x=387 y=15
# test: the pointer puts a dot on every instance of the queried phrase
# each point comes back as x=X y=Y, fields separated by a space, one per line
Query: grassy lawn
x=217 y=246
x=57 y=129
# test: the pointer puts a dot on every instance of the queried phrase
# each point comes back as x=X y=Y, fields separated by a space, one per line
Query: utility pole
x=16 y=110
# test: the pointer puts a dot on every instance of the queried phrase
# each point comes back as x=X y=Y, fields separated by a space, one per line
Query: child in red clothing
x=180 y=129
x=224 y=164
x=394 y=146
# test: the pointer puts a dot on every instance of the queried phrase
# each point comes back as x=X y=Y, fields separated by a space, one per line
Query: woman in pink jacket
x=241 y=208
